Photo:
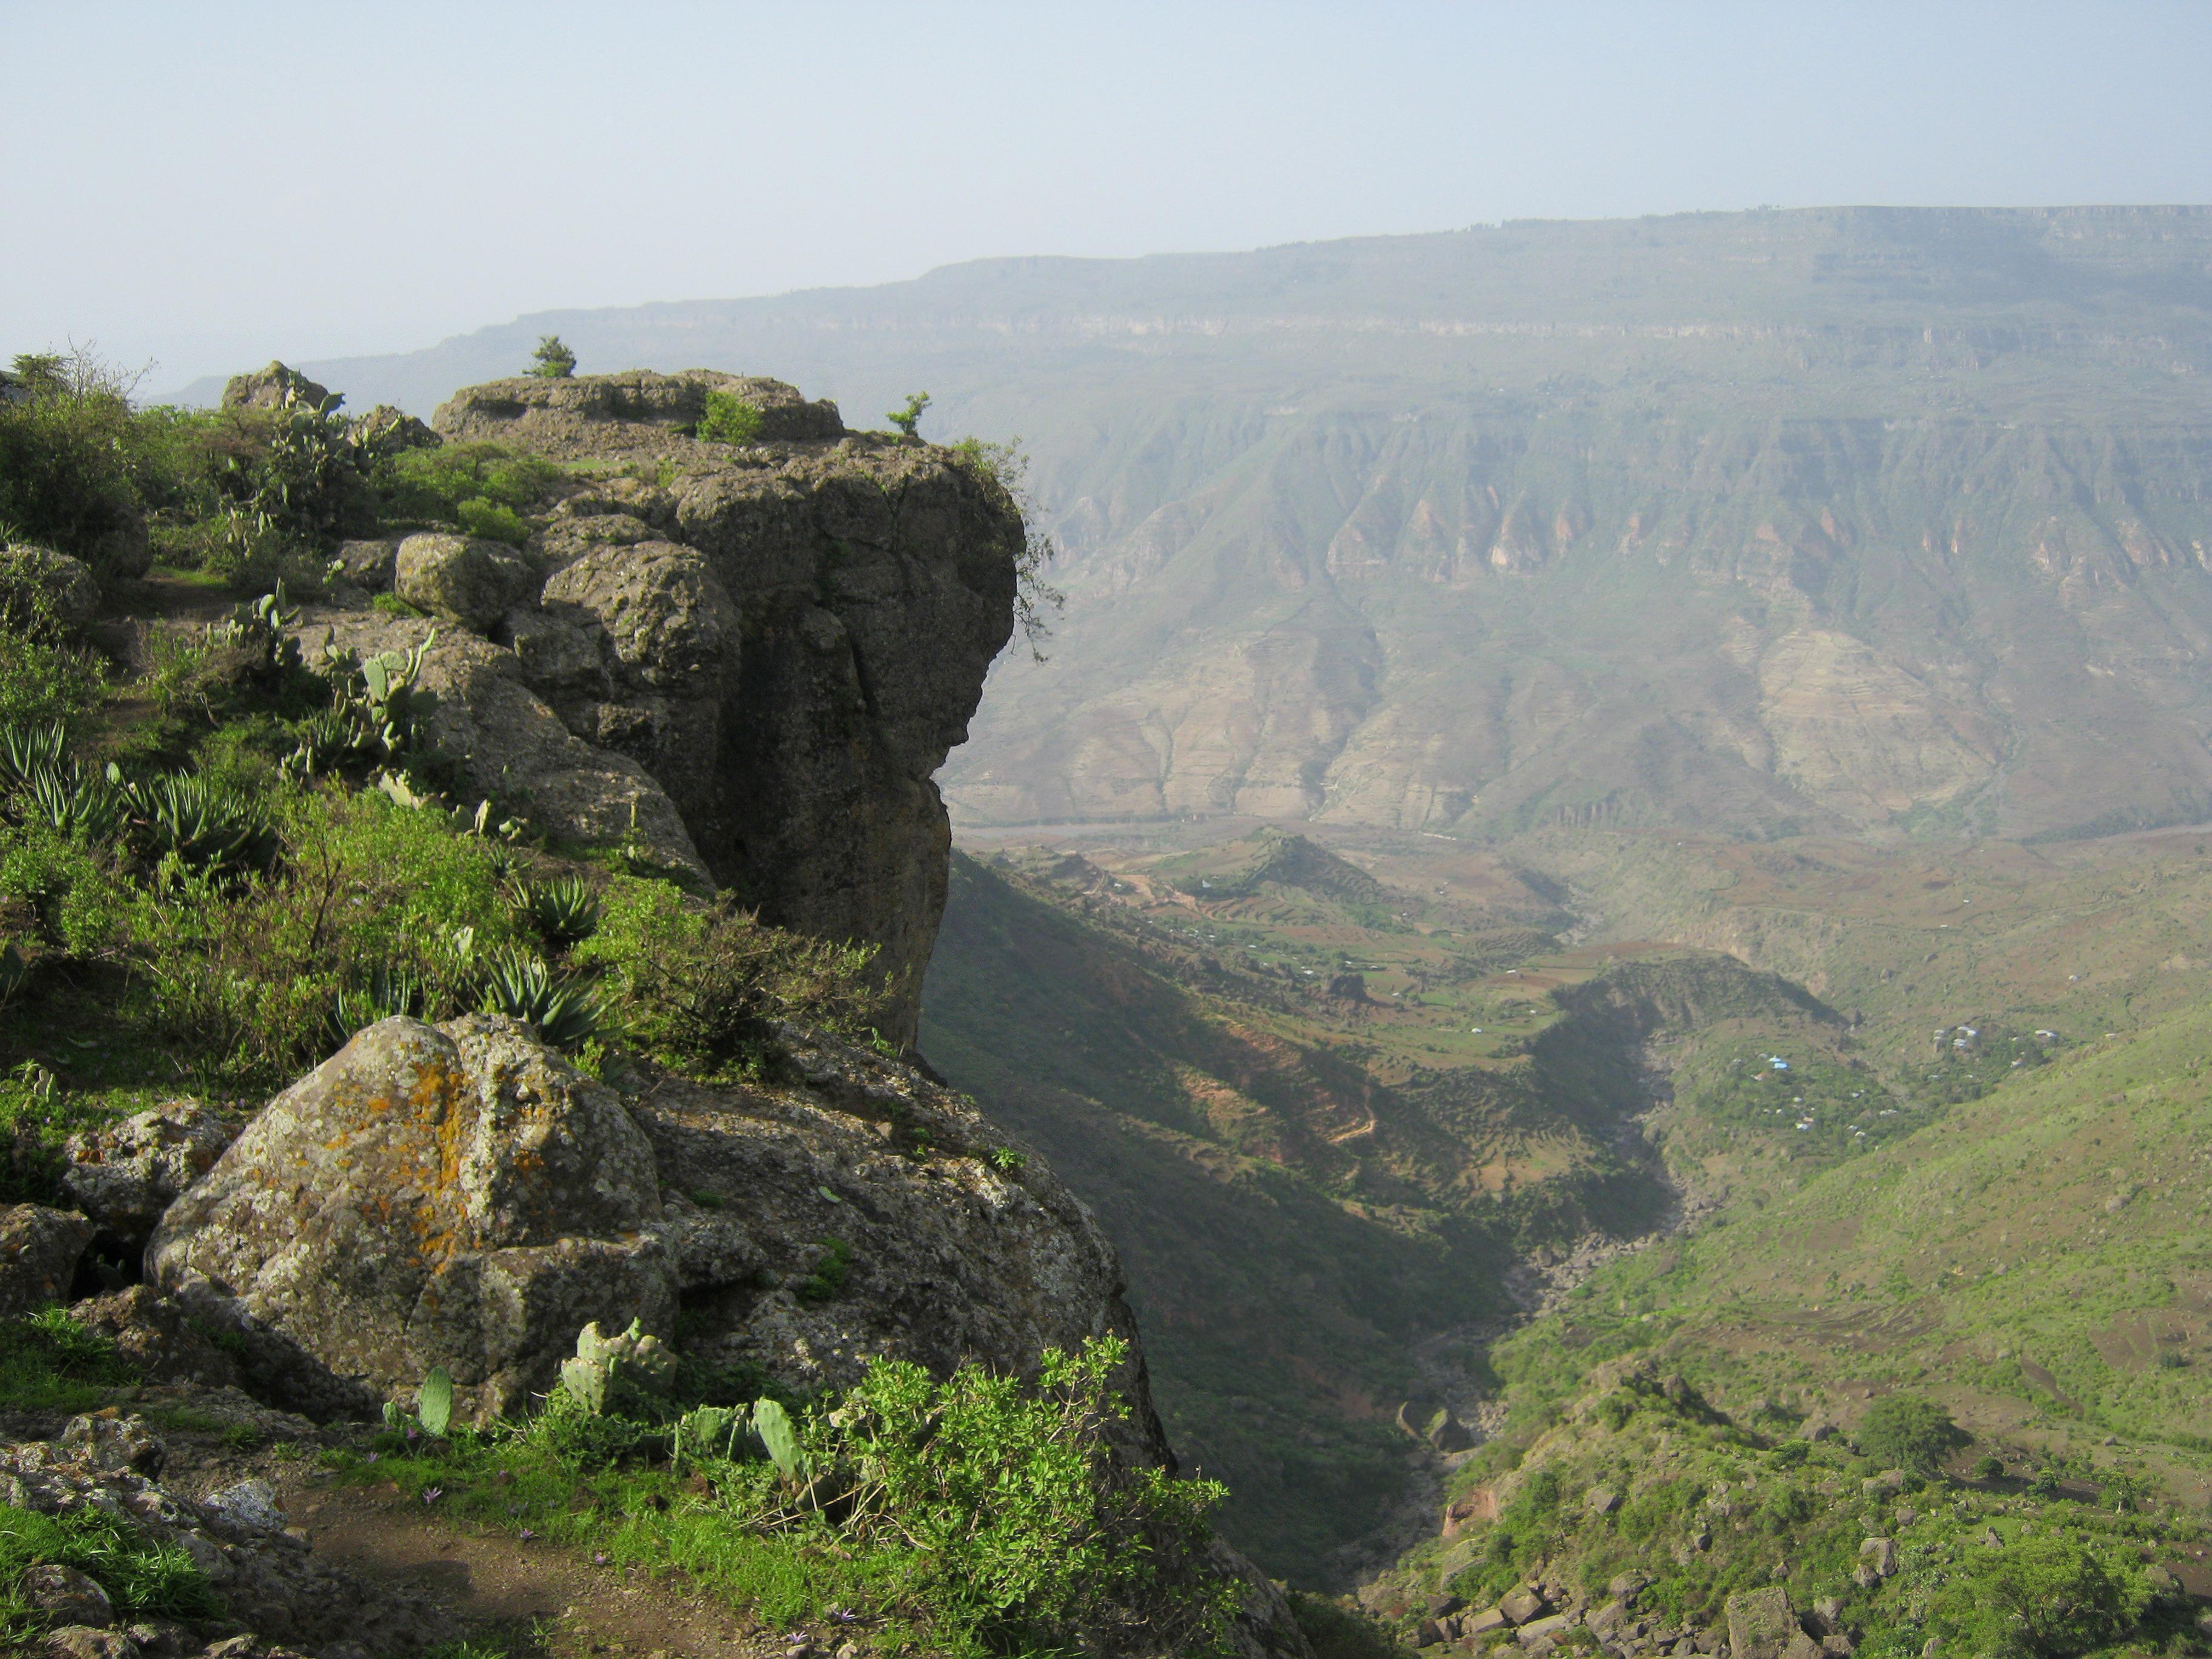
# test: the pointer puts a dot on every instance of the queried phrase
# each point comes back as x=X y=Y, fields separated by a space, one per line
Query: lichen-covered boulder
x=123 y=1174
x=40 y=1250
x=455 y=1195
x=470 y=581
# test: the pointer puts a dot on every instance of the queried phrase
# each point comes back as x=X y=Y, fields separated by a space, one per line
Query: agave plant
x=78 y=803
x=325 y=738
x=392 y=989
x=519 y=985
x=207 y=826
x=27 y=751
x=563 y=910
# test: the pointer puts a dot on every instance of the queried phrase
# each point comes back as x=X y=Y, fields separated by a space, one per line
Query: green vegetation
x=247 y=495
x=48 y=1362
x=1701 y=1508
x=1004 y=468
x=1909 y=1433
x=729 y=420
x=908 y=419
x=551 y=361
x=974 y=1514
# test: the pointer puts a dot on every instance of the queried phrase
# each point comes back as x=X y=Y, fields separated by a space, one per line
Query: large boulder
x=387 y=428
x=366 y=564
x=1761 y=1625
x=123 y=1174
x=456 y=1195
x=464 y=578
x=267 y=388
x=40 y=1250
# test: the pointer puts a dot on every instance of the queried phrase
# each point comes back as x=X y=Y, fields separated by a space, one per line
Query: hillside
x=1834 y=520
x=1328 y=1126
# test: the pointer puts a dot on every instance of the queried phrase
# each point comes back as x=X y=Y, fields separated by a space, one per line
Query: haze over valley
x=1413 y=938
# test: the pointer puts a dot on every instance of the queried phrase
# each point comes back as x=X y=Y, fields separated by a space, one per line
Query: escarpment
x=747 y=659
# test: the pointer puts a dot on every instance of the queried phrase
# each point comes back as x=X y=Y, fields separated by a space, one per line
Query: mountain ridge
x=1884 y=521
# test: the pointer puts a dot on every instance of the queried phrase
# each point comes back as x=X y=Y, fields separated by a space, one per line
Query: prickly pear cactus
x=605 y=1365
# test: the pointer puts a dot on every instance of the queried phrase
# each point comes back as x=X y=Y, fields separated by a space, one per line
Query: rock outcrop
x=124 y=1175
x=268 y=388
x=70 y=589
x=761 y=653
x=460 y=1195
x=573 y=415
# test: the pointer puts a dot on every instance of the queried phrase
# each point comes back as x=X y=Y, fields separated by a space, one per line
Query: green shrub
x=552 y=360
x=492 y=520
x=908 y=420
x=376 y=903
x=1003 y=470
x=2050 y=1595
x=695 y=985
x=1020 y=1528
x=827 y=1281
x=1904 y=1432
x=66 y=456
x=729 y=420
x=432 y=485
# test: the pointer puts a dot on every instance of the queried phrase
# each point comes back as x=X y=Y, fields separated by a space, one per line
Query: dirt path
x=537 y=1598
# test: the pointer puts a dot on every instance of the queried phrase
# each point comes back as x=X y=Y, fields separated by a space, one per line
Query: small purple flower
x=432 y=1494
x=600 y=1558
x=413 y=1433
x=371 y=1458
x=527 y=1534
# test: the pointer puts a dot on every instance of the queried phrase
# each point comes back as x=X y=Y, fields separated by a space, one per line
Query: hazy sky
x=211 y=185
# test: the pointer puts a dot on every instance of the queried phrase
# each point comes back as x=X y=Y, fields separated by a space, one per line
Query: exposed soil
x=540 y=1597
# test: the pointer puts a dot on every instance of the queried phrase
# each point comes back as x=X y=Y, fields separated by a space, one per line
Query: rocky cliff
x=750 y=657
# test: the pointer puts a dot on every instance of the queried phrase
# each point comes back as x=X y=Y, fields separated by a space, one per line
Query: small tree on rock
x=909 y=417
x=552 y=360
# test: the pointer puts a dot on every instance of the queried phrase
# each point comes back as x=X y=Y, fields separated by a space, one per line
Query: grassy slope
x=2024 y=1245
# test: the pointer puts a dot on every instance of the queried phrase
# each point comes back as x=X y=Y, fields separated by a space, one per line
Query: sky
x=206 y=186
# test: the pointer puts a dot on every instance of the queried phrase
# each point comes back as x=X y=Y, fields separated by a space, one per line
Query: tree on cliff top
x=552 y=360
